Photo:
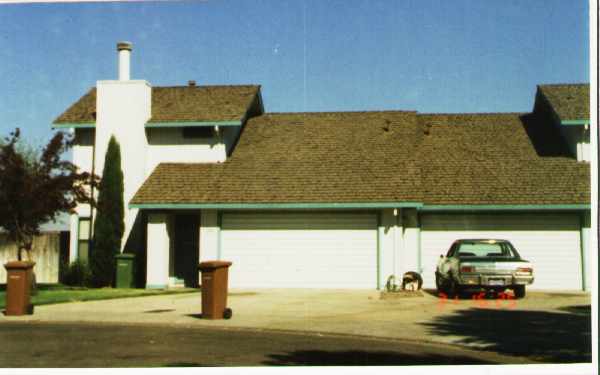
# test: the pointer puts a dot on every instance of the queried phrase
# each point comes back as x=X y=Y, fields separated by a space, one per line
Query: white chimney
x=124 y=49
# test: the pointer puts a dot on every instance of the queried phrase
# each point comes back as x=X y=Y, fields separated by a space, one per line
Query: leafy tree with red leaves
x=34 y=190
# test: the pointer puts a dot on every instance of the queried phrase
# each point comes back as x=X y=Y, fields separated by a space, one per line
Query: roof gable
x=569 y=101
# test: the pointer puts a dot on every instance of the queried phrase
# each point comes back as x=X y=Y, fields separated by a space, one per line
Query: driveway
x=545 y=327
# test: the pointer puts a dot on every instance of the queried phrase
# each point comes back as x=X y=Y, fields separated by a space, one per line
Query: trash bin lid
x=17 y=264
x=211 y=264
x=125 y=256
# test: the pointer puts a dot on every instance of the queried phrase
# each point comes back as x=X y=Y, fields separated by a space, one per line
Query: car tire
x=519 y=291
x=453 y=289
x=439 y=283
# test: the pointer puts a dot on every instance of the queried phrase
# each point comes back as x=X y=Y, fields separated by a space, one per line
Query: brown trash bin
x=18 y=287
x=214 y=289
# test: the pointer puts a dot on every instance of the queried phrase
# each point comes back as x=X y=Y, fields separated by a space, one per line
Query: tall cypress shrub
x=109 y=224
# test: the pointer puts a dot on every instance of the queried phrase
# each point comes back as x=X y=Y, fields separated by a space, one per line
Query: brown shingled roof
x=381 y=157
x=178 y=103
x=303 y=157
x=569 y=101
x=82 y=111
x=497 y=159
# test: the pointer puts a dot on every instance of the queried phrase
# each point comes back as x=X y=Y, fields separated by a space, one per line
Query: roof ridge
x=205 y=86
x=564 y=84
x=471 y=113
x=339 y=112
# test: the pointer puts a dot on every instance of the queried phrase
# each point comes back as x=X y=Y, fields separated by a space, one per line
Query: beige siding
x=45 y=254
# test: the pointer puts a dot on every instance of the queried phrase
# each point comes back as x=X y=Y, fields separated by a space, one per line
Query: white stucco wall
x=157 y=257
x=167 y=145
x=388 y=245
x=586 y=256
x=578 y=140
x=410 y=239
x=209 y=235
x=122 y=110
x=83 y=158
x=399 y=237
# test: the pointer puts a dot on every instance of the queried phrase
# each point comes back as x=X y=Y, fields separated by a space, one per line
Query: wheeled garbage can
x=214 y=289
x=124 y=275
x=19 y=276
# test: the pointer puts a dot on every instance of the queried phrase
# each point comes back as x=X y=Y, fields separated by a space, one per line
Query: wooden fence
x=46 y=254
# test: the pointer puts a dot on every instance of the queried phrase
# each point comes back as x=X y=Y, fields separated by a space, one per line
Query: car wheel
x=439 y=283
x=453 y=288
x=519 y=291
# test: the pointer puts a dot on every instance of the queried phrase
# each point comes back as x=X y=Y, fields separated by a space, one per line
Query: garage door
x=550 y=241
x=300 y=249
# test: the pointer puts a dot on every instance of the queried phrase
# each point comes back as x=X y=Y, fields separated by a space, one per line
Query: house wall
x=167 y=145
x=123 y=108
x=209 y=235
x=276 y=245
x=83 y=158
x=158 y=251
x=578 y=140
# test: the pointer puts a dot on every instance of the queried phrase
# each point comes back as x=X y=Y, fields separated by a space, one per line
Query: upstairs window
x=198 y=132
x=83 y=239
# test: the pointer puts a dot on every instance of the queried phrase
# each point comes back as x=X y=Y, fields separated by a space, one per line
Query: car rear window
x=482 y=249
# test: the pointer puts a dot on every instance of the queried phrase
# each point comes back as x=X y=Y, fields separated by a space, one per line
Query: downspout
x=219 y=223
x=379 y=250
x=394 y=243
x=582 y=247
x=92 y=190
x=419 y=260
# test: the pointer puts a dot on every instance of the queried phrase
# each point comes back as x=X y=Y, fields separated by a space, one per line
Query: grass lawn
x=48 y=294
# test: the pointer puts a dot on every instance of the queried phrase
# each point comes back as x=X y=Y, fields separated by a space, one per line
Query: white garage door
x=300 y=249
x=550 y=241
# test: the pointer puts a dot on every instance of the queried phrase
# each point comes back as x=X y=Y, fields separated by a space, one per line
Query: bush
x=109 y=224
x=77 y=273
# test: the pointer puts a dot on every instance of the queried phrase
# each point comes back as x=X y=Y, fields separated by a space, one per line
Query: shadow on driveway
x=541 y=335
x=365 y=358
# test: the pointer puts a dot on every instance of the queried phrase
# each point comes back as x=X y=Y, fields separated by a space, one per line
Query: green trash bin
x=124 y=274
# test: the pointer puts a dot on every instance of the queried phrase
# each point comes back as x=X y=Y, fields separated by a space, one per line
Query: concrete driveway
x=547 y=327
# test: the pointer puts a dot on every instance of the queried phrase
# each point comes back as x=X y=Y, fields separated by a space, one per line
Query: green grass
x=51 y=294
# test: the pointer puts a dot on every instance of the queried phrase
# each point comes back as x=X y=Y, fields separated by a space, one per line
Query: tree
x=35 y=187
x=109 y=225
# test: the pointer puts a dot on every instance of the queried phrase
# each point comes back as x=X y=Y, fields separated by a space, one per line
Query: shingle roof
x=303 y=157
x=569 y=101
x=497 y=159
x=178 y=103
x=381 y=157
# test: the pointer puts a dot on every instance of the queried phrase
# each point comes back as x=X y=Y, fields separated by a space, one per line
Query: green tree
x=36 y=185
x=109 y=224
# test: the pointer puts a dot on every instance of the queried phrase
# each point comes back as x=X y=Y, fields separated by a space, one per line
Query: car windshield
x=486 y=249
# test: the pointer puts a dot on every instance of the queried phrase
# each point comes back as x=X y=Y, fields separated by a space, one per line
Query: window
x=482 y=249
x=83 y=239
x=197 y=132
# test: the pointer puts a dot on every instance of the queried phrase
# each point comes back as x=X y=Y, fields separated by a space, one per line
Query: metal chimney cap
x=124 y=46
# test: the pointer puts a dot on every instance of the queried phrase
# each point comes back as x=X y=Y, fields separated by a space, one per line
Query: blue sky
x=308 y=55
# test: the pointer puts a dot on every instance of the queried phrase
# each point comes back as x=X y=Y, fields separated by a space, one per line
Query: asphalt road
x=34 y=344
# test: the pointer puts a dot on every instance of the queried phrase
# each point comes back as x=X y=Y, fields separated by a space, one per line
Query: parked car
x=492 y=265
